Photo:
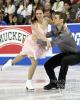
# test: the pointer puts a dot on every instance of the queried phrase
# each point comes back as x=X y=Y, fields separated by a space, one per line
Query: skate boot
x=8 y=64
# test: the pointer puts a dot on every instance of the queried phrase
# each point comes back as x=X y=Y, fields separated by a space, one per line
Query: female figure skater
x=30 y=48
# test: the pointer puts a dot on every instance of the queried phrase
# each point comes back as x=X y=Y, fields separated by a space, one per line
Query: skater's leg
x=17 y=59
x=32 y=68
x=31 y=73
x=11 y=62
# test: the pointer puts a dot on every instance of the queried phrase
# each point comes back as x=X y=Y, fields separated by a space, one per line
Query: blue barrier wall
x=75 y=30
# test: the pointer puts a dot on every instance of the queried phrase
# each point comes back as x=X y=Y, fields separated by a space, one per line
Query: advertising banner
x=12 y=37
x=11 y=40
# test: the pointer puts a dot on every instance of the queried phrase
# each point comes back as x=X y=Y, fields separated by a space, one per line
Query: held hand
x=48 y=45
x=34 y=37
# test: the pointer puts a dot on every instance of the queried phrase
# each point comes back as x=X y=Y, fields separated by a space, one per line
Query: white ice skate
x=29 y=85
x=7 y=65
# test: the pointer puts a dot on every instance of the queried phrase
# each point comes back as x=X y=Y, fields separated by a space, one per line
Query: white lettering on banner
x=12 y=36
x=77 y=37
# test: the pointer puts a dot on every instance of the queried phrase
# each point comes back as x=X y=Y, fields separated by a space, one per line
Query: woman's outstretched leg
x=17 y=59
x=11 y=62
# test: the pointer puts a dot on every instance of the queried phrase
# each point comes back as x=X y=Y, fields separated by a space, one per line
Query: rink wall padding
x=25 y=61
x=11 y=38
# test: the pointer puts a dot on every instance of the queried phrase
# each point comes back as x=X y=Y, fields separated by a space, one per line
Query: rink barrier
x=11 y=38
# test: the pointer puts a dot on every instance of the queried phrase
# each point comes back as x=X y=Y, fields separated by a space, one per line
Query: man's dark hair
x=62 y=16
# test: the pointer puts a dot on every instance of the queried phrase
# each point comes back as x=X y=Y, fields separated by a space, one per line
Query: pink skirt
x=32 y=49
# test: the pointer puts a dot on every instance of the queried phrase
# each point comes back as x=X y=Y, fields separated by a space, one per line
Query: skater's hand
x=34 y=37
x=48 y=45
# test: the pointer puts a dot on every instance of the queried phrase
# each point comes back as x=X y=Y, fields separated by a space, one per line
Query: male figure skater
x=69 y=54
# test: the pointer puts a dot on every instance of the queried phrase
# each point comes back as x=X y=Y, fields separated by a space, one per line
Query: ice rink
x=12 y=85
